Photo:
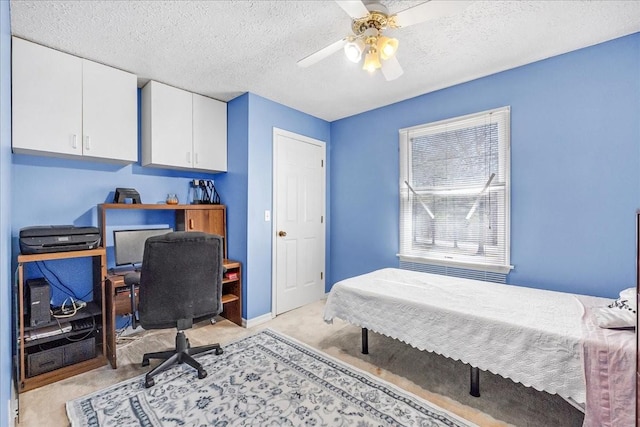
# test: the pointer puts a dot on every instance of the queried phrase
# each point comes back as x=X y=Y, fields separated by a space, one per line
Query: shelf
x=61 y=255
x=229 y=298
x=156 y=206
x=92 y=309
x=42 y=349
x=68 y=336
x=232 y=288
x=64 y=372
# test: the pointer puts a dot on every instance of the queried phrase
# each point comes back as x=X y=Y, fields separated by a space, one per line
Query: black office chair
x=180 y=283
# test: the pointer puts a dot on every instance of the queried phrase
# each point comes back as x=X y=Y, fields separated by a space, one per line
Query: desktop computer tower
x=38 y=296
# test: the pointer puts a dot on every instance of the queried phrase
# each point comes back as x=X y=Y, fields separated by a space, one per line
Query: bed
x=542 y=339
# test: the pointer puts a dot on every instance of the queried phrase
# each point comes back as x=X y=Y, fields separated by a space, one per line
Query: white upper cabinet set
x=66 y=106
x=183 y=129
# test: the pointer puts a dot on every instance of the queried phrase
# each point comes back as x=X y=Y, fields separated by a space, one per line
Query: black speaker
x=38 y=296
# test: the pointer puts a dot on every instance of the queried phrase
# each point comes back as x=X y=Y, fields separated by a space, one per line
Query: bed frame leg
x=365 y=341
x=475 y=382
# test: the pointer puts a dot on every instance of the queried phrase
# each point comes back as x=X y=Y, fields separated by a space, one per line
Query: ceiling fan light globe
x=353 y=50
x=387 y=47
x=391 y=69
x=371 y=62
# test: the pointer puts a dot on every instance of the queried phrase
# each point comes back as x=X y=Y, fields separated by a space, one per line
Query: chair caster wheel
x=145 y=362
x=201 y=373
x=219 y=351
x=149 y=382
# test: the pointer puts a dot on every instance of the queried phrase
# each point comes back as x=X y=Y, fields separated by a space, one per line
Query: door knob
x=282 y=233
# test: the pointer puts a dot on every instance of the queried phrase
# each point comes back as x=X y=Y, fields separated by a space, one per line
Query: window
x=454 y=192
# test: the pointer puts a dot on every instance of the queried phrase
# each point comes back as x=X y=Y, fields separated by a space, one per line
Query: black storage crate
x=56 y=357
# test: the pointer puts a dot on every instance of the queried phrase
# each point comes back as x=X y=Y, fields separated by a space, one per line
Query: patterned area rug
x=267 y=379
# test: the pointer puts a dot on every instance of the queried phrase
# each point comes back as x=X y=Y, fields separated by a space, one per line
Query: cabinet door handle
x=189 y=157
x=196 y=156
x=87 y=143
x=191 y=224
x=74 y=141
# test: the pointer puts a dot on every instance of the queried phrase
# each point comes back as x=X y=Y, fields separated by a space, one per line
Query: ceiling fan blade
x=322 y=53
x=391 y=68
x=355 y=9
x=429 y=10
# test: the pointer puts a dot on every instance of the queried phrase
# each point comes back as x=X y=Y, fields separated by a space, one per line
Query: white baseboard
x=256 y=320
x=13 y=403
x=12 y=413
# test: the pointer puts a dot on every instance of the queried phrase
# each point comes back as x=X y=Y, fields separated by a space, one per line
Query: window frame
x=501 y=116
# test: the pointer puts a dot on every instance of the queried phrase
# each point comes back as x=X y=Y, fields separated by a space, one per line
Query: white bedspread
x=531 y=336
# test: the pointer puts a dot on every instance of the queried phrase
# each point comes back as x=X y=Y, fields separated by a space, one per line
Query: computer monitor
x=128 y=245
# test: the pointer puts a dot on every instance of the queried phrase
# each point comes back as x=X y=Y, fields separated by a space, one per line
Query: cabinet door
x=209 y=134
x=166 y=126
x=110 y=104
x=207 y=220
x=47 y=100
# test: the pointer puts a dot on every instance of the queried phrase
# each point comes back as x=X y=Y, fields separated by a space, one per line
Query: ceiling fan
x=369 y=21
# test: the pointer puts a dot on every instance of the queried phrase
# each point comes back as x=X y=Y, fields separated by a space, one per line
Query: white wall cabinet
x=166 y=126
x=183 y=130
x=110 y=112
x=67 y=106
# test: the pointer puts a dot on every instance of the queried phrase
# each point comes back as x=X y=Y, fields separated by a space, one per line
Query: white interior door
x=299 y=220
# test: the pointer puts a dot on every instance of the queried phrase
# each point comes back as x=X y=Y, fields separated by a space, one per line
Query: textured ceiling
x=224 y=48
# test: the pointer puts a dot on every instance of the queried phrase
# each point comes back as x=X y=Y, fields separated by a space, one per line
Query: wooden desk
x=118 y=303
x=207 y=218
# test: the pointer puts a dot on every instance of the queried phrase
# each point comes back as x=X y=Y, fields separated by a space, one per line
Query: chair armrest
x=132 y=278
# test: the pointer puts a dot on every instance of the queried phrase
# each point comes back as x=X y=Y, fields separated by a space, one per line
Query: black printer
x=58 y=238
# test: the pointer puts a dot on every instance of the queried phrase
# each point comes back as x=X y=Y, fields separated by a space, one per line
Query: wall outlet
x=267 y=215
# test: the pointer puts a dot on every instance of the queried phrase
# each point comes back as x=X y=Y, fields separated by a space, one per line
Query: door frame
x=274 y=213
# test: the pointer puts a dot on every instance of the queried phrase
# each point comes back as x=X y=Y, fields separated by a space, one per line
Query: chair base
x=182 y=354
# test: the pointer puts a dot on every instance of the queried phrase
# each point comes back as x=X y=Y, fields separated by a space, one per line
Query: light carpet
x=266 y=379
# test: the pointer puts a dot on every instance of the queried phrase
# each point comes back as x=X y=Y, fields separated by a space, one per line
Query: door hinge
x=321 y=275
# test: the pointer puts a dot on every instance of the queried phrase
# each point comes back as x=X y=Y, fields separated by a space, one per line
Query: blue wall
x=5 y=210
x=263 y=115
x=233 y=185
x=575 y=168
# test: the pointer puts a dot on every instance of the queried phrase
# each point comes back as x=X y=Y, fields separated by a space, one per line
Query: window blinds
x=454 y=191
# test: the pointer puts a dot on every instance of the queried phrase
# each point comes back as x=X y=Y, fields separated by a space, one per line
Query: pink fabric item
x=609 y=364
